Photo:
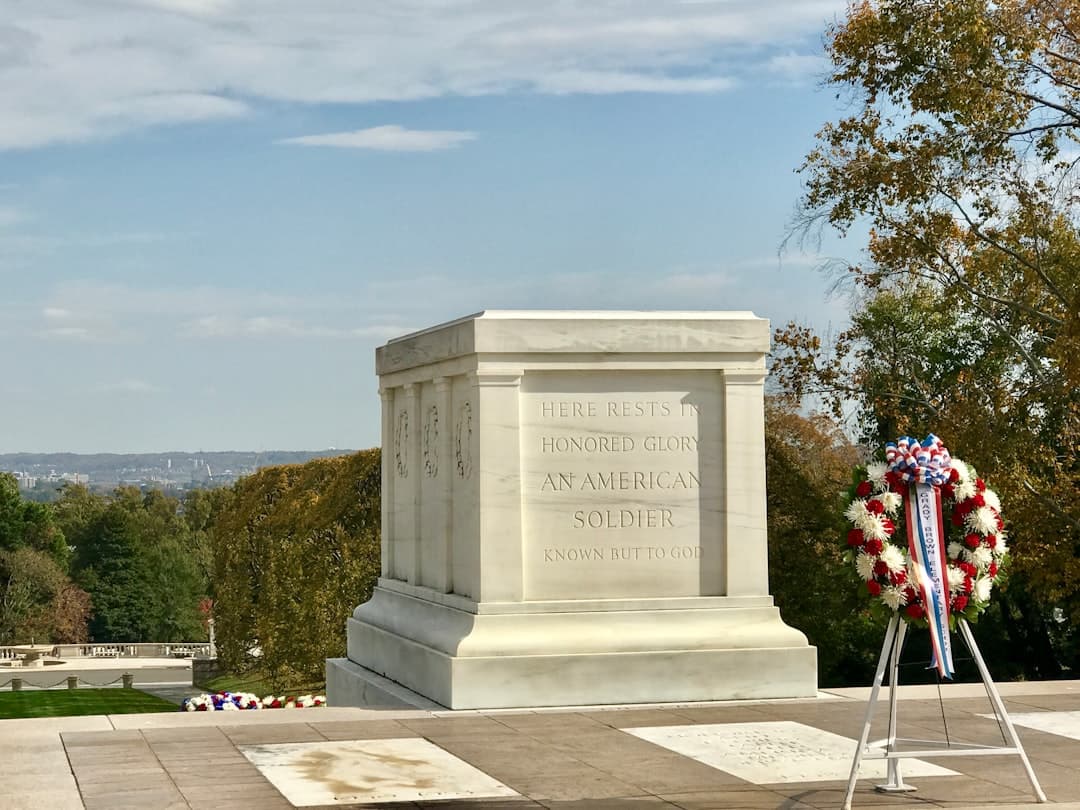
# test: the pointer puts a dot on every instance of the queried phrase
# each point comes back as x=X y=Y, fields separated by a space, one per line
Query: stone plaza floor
x=793 y=755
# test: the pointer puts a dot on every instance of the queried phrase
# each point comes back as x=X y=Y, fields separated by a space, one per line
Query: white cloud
x=73 y=70
x=10 y=215
x=129 y=387
x=606 y=82
x=91 y=311
x=694 y=282
x=77 y=333
x=390 y=138
x=798 y=66
x=263 y=326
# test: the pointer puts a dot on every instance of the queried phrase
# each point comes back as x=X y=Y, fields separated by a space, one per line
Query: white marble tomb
x=574 y=513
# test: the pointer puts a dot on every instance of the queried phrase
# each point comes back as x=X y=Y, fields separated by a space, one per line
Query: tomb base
x=464 y=655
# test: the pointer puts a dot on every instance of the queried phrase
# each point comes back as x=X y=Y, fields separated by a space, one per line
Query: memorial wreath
x=927 y=537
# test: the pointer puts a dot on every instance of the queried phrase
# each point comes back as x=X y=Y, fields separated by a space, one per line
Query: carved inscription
x=620 y=483
x=463 y=441
x=609 y=446
x=431 y=442
x=401 y=443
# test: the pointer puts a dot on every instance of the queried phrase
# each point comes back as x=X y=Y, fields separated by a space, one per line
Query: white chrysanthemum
x=962 y=469
x=982 y=520
x=894 y=558
x=964 y=490
x=856 y=512
x=992 y=500
x=982 y=588
x=891 y=501
x=864 y=564
x=1002 y=545
x=875 y=474
x=954 y=550
x=956 y=578
x=893 y=597
x=873 y=526
x=982 y=557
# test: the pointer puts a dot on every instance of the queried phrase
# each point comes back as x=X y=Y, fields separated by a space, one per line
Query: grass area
x=257 y=683
x=71 y=702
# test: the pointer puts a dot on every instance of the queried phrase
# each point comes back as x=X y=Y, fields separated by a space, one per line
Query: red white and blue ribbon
x=925 y=467
x=927 y=462
x=926 y=543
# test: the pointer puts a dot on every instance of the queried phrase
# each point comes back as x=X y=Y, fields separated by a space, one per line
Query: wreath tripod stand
x=896 y=748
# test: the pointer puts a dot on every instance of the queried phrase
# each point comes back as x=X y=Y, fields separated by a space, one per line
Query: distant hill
x=179 y=469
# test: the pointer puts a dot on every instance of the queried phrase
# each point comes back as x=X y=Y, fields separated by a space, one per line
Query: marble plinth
x=574 y=513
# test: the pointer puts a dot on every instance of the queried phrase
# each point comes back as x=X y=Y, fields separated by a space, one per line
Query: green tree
x=201 y=509
x=114 y=573
x=294 y=552
x=24 y=524
x=135 y=555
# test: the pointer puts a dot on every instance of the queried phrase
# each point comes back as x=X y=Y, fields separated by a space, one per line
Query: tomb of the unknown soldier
x=573 y=513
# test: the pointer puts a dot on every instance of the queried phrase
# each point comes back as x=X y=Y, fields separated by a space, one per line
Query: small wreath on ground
x=878 y=545
x=245 y=701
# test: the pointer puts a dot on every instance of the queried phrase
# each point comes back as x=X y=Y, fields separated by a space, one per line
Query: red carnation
x=888 y=526
x=880 y=568
x=960 y=603
x=992 y=570
x=954 y=476
x=973 y=540
x=863 y=489
x=910 y=596
x=969 y=584
x=978 y=500
x=898 y=578
x=875 y=507
x=1000 y=522
x=873 y=546
x=948 y=491
x=855 y=537
x=874 y=588
x=991 y=540
x=980 y=485
x=957 y=519
x=962 y=508
x=914 y=611
x=968 y=568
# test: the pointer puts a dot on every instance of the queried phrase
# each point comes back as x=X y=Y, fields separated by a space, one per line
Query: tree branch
x=978 y=231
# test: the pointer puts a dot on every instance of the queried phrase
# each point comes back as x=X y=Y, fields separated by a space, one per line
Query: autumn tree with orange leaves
x=960 y=154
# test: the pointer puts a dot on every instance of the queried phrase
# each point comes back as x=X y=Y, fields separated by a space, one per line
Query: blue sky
x=212 y=211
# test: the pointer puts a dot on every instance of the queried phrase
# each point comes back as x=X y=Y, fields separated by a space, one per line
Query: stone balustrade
x=186 y=649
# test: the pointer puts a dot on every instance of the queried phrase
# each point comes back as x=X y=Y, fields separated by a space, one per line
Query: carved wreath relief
x=431 y=442
x=463 y=441
x=401 y=443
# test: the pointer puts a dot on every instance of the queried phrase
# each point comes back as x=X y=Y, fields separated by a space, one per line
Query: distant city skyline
x=213 y=211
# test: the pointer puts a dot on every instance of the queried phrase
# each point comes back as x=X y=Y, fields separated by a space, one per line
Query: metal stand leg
x=886 y=651
x=999 y=709
x=895 y=783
